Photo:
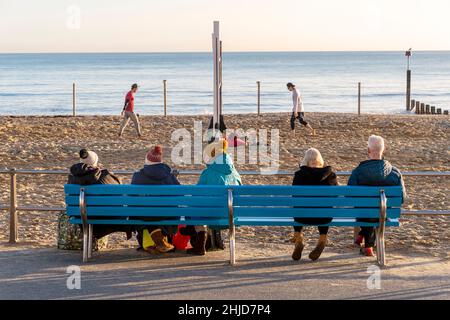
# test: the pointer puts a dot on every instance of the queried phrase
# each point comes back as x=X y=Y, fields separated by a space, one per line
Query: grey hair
x=376 y=144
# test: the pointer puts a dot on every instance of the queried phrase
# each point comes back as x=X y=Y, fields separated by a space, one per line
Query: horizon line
x=244 y=51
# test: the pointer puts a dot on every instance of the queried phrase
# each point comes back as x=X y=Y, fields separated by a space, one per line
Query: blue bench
x=231 y=206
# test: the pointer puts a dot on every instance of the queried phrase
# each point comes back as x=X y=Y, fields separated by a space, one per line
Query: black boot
x=199 y=247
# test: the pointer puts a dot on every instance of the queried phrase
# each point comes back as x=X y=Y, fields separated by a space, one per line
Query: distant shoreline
x=265 y=114
x=207 y=52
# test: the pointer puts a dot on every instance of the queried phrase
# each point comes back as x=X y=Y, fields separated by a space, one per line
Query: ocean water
x=41 y=84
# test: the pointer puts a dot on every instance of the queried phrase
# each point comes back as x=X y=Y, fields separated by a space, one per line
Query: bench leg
x=381 y=249
x=85 y=244
x=90 y=240
x=232 y=246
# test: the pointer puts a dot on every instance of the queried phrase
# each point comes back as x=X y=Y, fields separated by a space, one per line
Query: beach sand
x=414 y=143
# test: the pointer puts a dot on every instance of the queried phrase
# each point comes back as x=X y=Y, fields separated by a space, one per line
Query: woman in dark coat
x=89 y=172
x=312 y=173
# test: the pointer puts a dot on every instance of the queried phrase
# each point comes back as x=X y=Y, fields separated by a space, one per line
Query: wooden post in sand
x=417 y=107
x=433 y=110
x=359 y=98
x=13 y=221
x=165 y=97
x=427 y=109
x=258 y=83
x=439 y=111
x=413 y=105
x=408 y=89
x=74 y=100
x=422 y=108
x=446 y=112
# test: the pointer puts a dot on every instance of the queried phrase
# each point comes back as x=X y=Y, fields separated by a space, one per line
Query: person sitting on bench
x=90 y=172
x=219 y=171
x=153 y=239
x=312 y=173
x=374 y=172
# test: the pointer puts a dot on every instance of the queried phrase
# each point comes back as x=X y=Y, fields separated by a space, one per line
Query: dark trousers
x=323 y=231
x=369 y=236
x=300 y=119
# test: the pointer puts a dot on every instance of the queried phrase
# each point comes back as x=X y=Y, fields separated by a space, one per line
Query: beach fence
x=165 y=106
x=423 y=108
x=14 y=206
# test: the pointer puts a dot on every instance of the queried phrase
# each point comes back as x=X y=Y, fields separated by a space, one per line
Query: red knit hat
x=154 y=155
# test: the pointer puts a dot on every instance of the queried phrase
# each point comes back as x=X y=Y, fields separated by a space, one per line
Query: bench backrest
x=133 y=203
x=252 y=205
x=269 y=205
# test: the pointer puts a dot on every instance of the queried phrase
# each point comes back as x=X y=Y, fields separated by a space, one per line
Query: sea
x=41 y=84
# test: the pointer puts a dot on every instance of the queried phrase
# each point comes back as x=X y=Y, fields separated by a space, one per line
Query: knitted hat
x=214 y=149
x=89 y=158
x=154 y=155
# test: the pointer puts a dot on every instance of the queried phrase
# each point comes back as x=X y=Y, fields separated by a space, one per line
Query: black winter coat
x=315 y=177
x=158 y=174
x=85 y=175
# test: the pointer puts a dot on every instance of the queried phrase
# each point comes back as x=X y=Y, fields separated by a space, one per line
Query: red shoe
x=368 y=252
x=359 y=240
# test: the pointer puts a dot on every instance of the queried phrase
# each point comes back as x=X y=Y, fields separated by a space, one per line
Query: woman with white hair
x=313 y=172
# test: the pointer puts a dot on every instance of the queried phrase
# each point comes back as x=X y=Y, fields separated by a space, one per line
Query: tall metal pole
x=216 y=74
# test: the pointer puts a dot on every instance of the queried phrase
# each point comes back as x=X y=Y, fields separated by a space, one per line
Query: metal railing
x=13 y=207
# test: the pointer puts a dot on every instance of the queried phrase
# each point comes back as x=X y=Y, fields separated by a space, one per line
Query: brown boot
x=315 y=254
x=299 y=246
x=160 y=244
x=199 y=247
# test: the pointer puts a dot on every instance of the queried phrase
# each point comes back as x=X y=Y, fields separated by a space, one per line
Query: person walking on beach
x=128 y=112
x=312 y=172
x=297 y=110
x=374 y=172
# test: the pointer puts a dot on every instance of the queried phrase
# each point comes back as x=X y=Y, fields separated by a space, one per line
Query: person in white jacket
x=297 y=110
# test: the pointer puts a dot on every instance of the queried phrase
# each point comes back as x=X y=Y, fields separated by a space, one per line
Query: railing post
x=165 y=97
x=258 y=83
x=13 y=221
x=74 y=100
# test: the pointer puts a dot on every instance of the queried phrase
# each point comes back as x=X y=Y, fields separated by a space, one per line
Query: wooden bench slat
x=192 y=222
x=199 y=201
x=315 y=212
x=287 y=222
x=149 y=212
x=372 y=202
x=311 y=191
x=140 y=190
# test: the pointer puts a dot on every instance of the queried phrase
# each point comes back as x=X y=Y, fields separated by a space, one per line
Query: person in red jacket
x=128 y=112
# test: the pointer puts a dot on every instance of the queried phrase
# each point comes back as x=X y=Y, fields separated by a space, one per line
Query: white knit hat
x=89 y=158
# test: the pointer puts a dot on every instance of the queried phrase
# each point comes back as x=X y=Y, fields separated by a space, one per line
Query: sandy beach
x=415 y=143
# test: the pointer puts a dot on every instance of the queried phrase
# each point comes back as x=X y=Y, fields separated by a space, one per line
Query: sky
x=246 y=25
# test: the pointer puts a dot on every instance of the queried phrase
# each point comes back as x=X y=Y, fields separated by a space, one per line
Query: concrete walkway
x=128 y=274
